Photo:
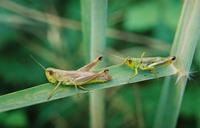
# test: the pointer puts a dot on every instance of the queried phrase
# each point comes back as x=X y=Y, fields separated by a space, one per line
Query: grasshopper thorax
x=50 y=74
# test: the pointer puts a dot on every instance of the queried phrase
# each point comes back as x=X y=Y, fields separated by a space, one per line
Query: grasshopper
x=77 y=78
x=147 y=63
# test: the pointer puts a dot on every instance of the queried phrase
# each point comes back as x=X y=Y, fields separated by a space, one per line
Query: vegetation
x=68 y=34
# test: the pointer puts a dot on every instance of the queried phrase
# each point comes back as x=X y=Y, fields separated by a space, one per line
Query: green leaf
x=39 y=94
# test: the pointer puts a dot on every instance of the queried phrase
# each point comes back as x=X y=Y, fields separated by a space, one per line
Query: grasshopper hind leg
x=91 y=64
x=151 y=69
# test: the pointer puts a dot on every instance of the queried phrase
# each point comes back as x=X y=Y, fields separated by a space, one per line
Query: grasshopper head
x=50 y=74
x=128 y=62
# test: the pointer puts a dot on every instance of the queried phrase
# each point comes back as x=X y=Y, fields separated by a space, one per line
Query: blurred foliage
x=61 y=47
x=14 y=119
x=134 y=18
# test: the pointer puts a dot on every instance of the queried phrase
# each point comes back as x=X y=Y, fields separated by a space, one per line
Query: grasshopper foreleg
x=54 y=90
x=135 y=73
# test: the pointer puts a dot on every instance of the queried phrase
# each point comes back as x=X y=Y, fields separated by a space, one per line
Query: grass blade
x=39 y=94
x=183 y=48
x=94 y=14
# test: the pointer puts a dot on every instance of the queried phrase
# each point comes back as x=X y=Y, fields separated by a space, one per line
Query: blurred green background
x=50 y=30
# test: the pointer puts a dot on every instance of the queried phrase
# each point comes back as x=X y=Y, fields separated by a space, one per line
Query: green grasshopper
x=77 y=78
x=147 y=63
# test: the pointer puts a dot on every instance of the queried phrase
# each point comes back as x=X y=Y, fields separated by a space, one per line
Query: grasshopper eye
x=129 y=61
x=50 y=72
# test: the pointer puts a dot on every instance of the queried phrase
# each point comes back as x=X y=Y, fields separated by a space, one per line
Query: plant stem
x=86 y=28
x=184 y=45
x=98 y=34
x=94 y=13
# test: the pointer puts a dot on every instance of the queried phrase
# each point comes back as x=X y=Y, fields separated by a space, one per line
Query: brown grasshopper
x=77 y=78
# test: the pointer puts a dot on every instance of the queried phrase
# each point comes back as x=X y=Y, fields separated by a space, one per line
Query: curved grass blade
x=184 y=45
x=39 y=94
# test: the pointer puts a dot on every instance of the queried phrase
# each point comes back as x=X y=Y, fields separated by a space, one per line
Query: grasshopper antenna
x=118 y=57
x=37 y=62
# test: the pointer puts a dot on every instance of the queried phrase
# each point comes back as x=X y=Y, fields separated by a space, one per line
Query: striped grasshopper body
x=147 y=63
x=76 y=78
